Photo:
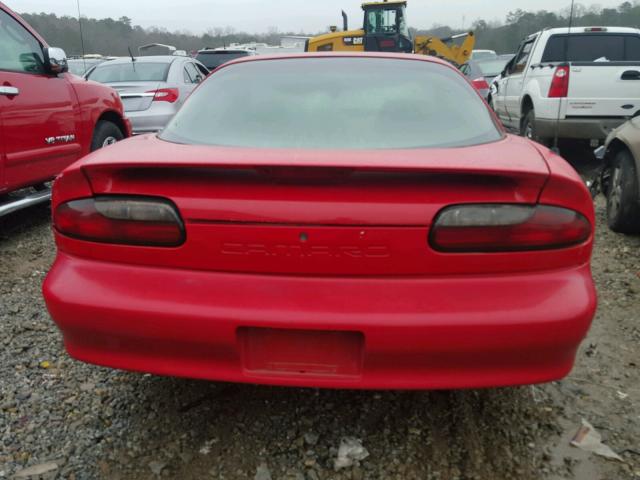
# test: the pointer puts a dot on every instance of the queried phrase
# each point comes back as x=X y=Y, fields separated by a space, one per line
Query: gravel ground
x=98 y=423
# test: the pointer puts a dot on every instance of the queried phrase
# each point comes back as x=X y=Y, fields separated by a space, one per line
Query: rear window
x=130 y=72
x=593 y=47
x=334 y=103
x=492 y=68
x=213 y=60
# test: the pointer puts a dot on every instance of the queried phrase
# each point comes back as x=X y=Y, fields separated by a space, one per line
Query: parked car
x=48 y=117
x=621 y=177
x=484 y=55
x=481 y=73
x=152 y=88
x=214 y=57
x=360 y=221
x=592 y=91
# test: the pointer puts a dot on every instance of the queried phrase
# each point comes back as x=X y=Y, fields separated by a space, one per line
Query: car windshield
x=492 y=68
x=130 y=72
x=593 y=47
x=213 y=60
x=334 y=103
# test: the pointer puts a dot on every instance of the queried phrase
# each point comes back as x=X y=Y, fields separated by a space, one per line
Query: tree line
x=109 y=36
x=504 y=37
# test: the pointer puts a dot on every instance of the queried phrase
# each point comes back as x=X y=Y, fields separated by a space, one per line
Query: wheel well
x=616 y=146
x=527 y=106
x=116 y=119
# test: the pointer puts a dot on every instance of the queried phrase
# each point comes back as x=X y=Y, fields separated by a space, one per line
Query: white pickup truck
x=577 y=83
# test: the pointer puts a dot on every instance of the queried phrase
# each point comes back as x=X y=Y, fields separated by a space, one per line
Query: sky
x=287 y=15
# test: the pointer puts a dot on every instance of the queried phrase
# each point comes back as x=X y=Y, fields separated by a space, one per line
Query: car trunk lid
x=136 y=96
x=319 y=213
x=604 y=89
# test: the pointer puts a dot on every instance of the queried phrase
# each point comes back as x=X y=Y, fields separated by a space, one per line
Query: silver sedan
x=152 y=88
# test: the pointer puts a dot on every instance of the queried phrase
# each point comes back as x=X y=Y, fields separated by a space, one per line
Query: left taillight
x=480 y=84
x=170 y=95
x=506 y=227
x=143 y=221
x=560 y=82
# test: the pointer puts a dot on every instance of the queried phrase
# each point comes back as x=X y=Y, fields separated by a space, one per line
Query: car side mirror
x=55 y=60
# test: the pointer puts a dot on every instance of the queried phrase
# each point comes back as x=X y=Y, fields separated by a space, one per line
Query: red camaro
x=341 y=221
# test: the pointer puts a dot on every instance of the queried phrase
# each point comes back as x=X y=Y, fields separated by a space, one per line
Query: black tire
x=528 y=129
x=623 y=195
x=106 y=133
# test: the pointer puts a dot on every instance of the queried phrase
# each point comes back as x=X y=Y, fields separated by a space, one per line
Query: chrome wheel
x=109 y=141
x=528 y=131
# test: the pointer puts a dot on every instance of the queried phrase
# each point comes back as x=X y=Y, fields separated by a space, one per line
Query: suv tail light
x=170 y=95
x=124 y=220
x=480 y=84
x=503 y=228
x=560 y=82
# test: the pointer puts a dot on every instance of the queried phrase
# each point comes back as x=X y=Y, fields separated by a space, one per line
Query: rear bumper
x=148 y=121
x=578 y=128
x=404 y=333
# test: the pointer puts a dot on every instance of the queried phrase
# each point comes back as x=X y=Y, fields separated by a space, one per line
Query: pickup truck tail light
x=142 y=221
x=560 y=82
x=480 y=84
x=505 y=227
x=170 y=95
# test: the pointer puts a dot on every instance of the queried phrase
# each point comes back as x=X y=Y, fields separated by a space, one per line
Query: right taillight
x=560 y=82
x=170 y=95
x=142 y=221
x=503 y=228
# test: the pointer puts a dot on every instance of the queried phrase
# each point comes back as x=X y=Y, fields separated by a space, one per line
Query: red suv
x=48 y=118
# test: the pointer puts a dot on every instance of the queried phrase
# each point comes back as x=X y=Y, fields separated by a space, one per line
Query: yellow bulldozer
x=385 y=29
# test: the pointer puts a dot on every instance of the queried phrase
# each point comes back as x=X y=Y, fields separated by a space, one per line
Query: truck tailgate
x=605 y=89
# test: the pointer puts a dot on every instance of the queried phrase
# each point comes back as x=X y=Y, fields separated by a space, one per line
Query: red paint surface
x=47 y=106
x=291 y=252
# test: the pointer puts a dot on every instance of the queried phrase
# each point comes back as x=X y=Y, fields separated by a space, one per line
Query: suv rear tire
x=623 y=195
x=106 y=133
x=528 y=129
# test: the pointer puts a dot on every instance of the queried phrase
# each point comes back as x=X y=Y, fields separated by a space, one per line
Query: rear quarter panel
x=565 y=188
x=629 y=135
